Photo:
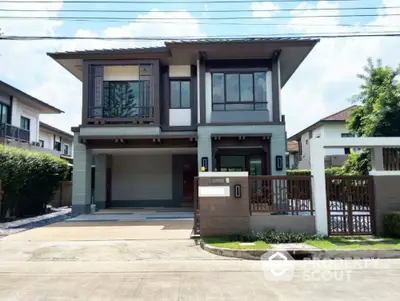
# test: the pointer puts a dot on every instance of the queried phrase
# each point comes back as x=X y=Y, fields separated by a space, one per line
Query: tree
x=379 y=112
x=121 y=101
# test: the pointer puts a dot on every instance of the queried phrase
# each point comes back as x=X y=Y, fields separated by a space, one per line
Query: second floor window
x=179 y=94
x=41 y=142
x=239 y=91
x=57 y=146
x=25 y=123
x=121 y=98
x=4 y=113
x=66 y=149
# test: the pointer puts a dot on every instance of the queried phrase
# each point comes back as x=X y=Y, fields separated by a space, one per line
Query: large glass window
x=179 y=94
x=4 y=113
x=239 y=91
x=121 y=99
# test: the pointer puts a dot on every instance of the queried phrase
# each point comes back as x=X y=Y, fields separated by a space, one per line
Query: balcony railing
x=137 y=114
x=12 y=132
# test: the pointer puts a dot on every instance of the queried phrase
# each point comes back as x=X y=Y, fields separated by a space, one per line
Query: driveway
x=155 y=260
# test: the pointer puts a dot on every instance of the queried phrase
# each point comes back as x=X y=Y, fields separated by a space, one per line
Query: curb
x=318 y=254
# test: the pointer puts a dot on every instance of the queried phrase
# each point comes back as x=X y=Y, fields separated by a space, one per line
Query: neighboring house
x=292 y=155
x=332 y=126
x=152 y=117
x=19 y=117
x=55 y=141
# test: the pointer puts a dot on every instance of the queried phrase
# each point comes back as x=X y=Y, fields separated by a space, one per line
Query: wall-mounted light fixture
x=237 y=191
x=204 y=163
x=278 y=163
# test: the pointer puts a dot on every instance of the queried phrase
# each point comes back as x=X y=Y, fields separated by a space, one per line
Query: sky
x=322 y=85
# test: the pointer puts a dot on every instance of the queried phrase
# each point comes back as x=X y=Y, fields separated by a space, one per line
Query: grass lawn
x=355 y=243
x=225 y=242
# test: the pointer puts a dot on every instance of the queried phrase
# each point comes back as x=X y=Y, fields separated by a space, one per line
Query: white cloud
x=30 y=69
x=260 y=9
x=326 y=80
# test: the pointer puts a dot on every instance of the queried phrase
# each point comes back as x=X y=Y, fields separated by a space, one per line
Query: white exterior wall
x=327 y=131
x=47 y=138
x=116 y=73
x=18 y=110
x=141 y=177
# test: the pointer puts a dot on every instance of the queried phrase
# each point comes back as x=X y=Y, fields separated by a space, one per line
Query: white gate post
x=317 y=160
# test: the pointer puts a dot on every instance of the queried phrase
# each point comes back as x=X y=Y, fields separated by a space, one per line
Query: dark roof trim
x=136 y=137
x=18 y=94
x=168 y=44
x=53 y=129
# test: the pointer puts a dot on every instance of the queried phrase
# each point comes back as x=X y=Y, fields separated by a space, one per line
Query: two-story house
x=19 y=117
x=153 y=117
x=332 y=126
x=55 y=141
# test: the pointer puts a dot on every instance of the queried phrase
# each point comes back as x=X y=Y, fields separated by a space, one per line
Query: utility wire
x=189 y=18
x=212 y=38
x=201 y=11
x=162 y=2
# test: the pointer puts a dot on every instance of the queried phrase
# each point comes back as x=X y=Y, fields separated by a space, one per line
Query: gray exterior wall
x=239 y=116
x=277 y=147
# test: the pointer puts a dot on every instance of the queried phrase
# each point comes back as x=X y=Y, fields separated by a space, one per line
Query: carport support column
x=100 y=180
x=317 y=157
x=81 y=178
x=377 y=158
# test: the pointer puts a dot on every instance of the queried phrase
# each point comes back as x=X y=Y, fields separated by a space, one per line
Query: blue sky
x=322 y=85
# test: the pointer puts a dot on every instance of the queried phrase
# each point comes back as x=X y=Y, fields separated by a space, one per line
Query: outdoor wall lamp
x=237 y=191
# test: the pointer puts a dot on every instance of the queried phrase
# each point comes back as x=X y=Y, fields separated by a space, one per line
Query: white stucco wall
x=47 y=139
x=116 y=73
x=180 y=117
x=179 y=70
x=141 y=177
x=18 y=110
x=327 y=131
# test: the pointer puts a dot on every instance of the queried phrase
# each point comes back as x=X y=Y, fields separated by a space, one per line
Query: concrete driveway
x=156 y=261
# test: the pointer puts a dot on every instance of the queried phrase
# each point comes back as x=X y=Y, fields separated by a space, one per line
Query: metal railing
x=140 y=114
x=281 y=195
x=14 y=132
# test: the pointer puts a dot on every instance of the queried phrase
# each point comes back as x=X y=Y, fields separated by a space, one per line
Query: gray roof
x=21 y=95
x=54 y=129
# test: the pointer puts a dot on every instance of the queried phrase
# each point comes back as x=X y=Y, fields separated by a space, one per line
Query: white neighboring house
x=292 y=155
x=332 y=126
x=20 y=125
x=55 y=141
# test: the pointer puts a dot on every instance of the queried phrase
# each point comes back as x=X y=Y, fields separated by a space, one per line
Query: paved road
x=131 y=261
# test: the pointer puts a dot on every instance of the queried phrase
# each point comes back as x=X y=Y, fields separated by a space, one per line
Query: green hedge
x=29 y=180
x=333 y=171
x=391 y=225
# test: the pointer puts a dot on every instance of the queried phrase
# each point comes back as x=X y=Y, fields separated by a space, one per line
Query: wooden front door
x=189 y=172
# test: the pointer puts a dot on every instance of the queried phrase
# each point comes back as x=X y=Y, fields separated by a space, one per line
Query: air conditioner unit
x=35 y=143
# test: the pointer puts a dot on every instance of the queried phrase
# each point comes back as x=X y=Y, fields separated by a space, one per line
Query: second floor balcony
x=121 y=113
x=9 y=131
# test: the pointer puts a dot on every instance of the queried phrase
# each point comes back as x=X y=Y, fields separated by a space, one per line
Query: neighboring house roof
x=50 y=128
x=28 y=100
x=292 y=147
x=340 y=116
x=292 y=52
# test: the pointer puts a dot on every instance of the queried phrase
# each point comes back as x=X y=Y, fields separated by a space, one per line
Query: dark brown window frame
x=28 y=122
x=180 y=79
x=250 y=71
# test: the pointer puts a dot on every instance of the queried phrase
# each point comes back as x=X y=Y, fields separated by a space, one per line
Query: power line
x=161 y=1
x=200 y=11
x=211 y=38
x=189 y=18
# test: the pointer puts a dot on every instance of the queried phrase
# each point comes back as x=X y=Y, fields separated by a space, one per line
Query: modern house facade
x=332 y=126
x=19 y=119
x=153 y=117
x=56 y=141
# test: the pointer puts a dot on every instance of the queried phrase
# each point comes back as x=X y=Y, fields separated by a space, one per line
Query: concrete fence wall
x=387 y=198
x=285 y=223
x=63 y=195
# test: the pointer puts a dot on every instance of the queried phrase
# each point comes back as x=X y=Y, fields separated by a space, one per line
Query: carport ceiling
x=145 y=151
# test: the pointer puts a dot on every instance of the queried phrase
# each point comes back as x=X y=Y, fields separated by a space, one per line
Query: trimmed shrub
x=276 y=237
x=298 y=172
x=391 y=225
x=29 y=180
x=333 y=171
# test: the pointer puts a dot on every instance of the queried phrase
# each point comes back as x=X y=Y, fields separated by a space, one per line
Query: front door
x=189 y=173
